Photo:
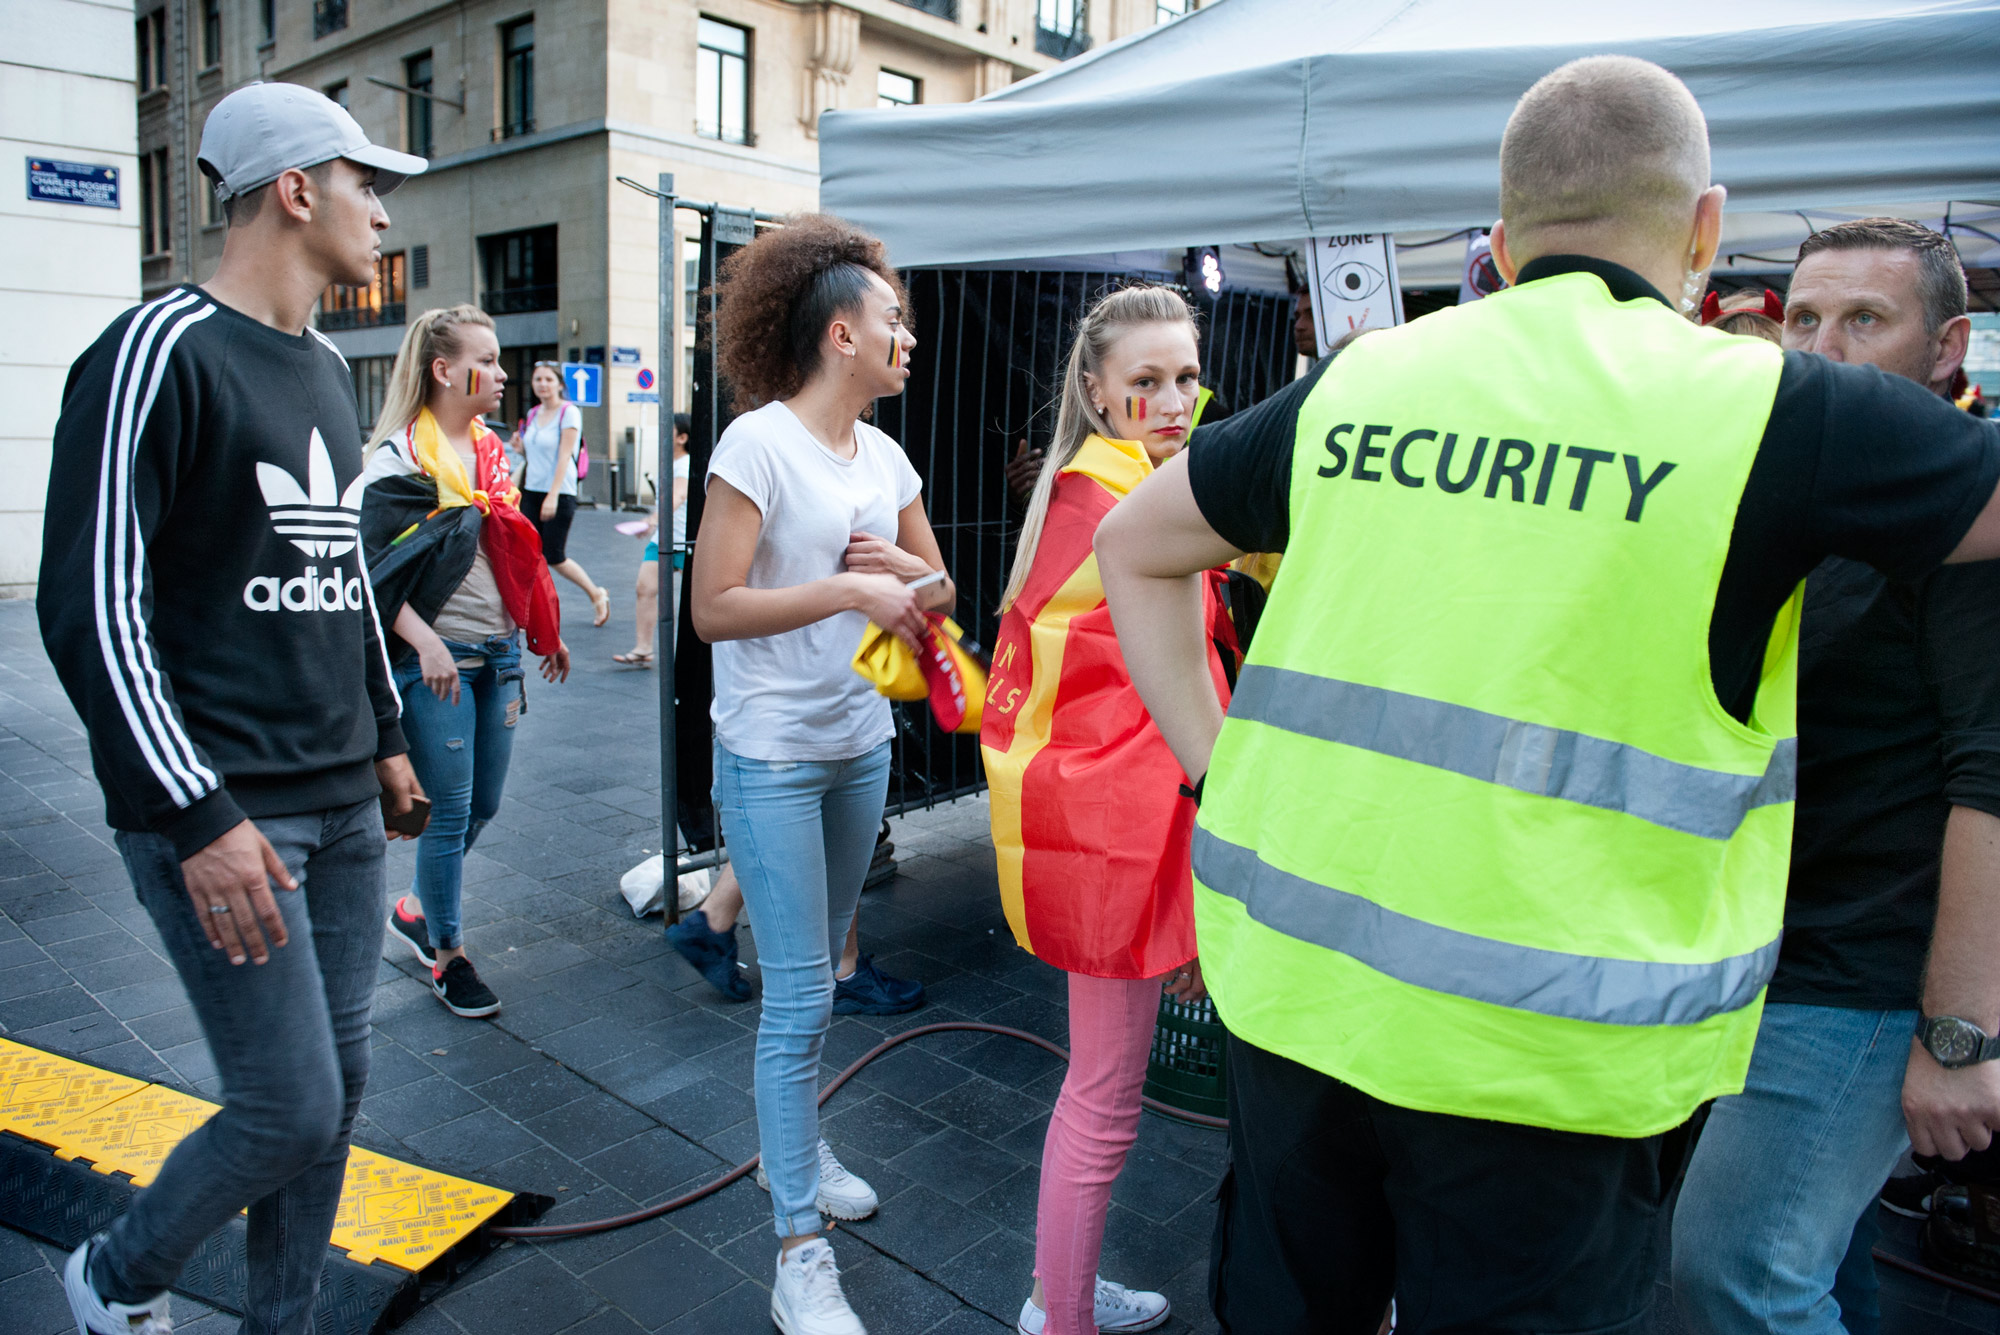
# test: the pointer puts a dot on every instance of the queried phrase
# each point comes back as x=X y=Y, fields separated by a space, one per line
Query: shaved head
x=1606 y=146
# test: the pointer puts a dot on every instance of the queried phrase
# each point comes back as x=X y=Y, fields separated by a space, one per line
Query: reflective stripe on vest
x=1422 y=954
x=1572 y=766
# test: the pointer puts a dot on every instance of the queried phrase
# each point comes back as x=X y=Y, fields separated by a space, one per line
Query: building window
x=267 y=14
x=371 y=387
x=420 y=266
x=152 y=42
x=329 y=16
x=417 y=74
x=722 y=82
x=337 y=94
x=211 y=33
x=366 y=306
x=1163 y=10
x=520 y=271
x=897 y=90
x=691 y=291
x=155 y=190
x=211 y=209
x=1062 y=27
x=517 y=78
x=944 y=9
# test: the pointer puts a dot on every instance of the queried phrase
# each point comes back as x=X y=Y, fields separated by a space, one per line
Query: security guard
x=1490 y=866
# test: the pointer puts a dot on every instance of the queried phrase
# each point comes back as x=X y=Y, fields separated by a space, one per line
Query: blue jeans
x=1784 y=1169
x=290 y=1040
x=460 y=753
x=800 y=835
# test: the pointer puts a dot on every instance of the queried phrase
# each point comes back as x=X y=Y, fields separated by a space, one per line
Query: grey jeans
x=290 y=1040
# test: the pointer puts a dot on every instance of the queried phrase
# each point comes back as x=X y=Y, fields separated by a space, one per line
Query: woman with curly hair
x=814 y=526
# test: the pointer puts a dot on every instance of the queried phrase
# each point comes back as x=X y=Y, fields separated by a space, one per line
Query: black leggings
x=555 y=532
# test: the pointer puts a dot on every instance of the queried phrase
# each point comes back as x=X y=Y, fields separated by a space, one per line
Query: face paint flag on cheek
x=895 y=352
x=472 y=384
x=1135 y=408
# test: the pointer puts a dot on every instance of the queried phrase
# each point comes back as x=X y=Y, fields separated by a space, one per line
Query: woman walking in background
x=646 y=607
x=1091 y=823
x=814 y=526
x=457 y=571
x=549 y=439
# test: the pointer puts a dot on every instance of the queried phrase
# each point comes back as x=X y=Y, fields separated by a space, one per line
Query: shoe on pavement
x=1910 y=1196
x=806 y=1300
x=869 y=991
x=712 y=953
x=414 y=931
x=457 y=985
x=95 y=1316
x=841 y=1193
x=1962 y=1235
x=1119 y=1311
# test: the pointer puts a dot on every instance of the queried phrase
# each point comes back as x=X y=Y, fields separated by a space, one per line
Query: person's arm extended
x=566 y=457
x=913 y=555
x=433 y=659
x=724 y=607
x=1951 y=1113
x=1151 y=550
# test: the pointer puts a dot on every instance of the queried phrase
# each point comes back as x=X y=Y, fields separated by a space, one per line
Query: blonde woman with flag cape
x=458 y=571
x=1091 y=815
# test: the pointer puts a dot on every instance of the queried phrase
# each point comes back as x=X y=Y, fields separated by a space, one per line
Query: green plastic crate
x=1187 y=1070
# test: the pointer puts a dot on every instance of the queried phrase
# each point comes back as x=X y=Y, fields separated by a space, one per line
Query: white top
x=541 y=441
x=681 y=511
x=796 y=696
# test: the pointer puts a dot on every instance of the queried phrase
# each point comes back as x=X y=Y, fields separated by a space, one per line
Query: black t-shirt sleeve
x=1958 y=648
x=1240 y=469
x=1901 y=472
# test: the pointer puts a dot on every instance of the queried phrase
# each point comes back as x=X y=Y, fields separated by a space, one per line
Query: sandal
x=636 y=658
x=600 y=605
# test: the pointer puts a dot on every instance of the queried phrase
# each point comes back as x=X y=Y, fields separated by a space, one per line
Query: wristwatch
x=1955 y=1042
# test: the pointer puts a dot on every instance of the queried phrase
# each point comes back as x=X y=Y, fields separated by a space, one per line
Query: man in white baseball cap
x=208 y=456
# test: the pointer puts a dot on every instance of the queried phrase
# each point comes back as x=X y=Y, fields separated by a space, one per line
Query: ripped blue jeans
x=460 y=753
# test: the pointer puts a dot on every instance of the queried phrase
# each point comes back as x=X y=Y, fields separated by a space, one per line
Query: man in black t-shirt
x=1340 y=1195
x=1899 y=756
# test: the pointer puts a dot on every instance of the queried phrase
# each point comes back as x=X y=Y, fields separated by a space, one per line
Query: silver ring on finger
x=218 y=908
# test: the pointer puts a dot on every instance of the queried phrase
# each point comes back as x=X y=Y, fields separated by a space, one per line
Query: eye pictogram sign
x=1354 y=285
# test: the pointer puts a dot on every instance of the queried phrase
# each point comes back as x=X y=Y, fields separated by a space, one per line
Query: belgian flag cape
x=1090 y=823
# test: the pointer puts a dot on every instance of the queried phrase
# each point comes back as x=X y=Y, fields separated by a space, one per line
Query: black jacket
x=417 y=553
x=203 y=595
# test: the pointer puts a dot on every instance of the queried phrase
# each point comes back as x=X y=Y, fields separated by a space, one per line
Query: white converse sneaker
x=841 y=1194
x=1118 y=1311
x=94 y=1316
x=806 y=1299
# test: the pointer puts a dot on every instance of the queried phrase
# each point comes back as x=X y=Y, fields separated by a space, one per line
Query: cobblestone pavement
x=614 y=1077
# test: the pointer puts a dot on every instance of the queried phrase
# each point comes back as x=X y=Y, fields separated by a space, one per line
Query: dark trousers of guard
x=1335 y=1201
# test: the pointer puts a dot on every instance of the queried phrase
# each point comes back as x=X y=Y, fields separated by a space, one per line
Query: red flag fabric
x=1090 y=827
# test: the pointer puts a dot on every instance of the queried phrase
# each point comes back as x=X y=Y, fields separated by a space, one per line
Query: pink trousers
x=1096 y=1120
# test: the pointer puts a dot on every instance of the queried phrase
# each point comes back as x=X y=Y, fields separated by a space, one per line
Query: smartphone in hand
x=411 y=822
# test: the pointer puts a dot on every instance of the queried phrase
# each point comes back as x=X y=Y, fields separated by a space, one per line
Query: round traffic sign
x=645 y=378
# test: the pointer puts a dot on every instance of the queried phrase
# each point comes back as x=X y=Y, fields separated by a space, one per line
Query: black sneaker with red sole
x=459 y=988
x=415 y=933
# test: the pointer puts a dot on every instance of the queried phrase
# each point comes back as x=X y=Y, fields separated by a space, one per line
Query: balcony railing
x=1052 y=43
x=362 y=317
x=516 y=300
x=944 y=9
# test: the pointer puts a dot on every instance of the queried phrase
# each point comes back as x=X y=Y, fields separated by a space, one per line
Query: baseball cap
x=264 y=129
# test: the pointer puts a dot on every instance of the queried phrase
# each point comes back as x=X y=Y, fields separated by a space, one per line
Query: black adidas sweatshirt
x=202 y=592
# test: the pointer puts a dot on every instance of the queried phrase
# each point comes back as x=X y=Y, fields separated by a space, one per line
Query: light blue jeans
x=1784 y=1169
x=460 y=753
x=800 y=835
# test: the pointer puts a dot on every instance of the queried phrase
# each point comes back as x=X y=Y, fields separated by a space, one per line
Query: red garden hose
x=749 y=1165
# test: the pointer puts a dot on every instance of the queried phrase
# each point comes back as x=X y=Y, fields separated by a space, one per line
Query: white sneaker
x=841 y=1193
x=94 y=1316
x=806 y=1299
x=1118 y=1310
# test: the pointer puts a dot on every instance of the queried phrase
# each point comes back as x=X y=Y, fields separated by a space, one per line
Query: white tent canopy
x=1265 y=120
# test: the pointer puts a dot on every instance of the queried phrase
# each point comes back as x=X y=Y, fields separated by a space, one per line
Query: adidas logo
x=317 y=519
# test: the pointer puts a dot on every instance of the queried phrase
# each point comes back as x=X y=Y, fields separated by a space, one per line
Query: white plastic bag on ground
x=644 y=887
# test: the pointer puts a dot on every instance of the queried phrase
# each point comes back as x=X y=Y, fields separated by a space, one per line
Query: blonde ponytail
x=434 y=334
x=1103 y=325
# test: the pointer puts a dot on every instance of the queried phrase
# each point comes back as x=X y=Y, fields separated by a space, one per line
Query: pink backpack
x=582 y=449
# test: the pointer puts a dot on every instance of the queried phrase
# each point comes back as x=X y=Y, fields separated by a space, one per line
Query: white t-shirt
x=796 y=696
x=681 y=510
x=542 y=441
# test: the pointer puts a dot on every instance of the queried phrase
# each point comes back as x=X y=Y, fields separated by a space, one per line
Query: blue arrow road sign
x=585 y=382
